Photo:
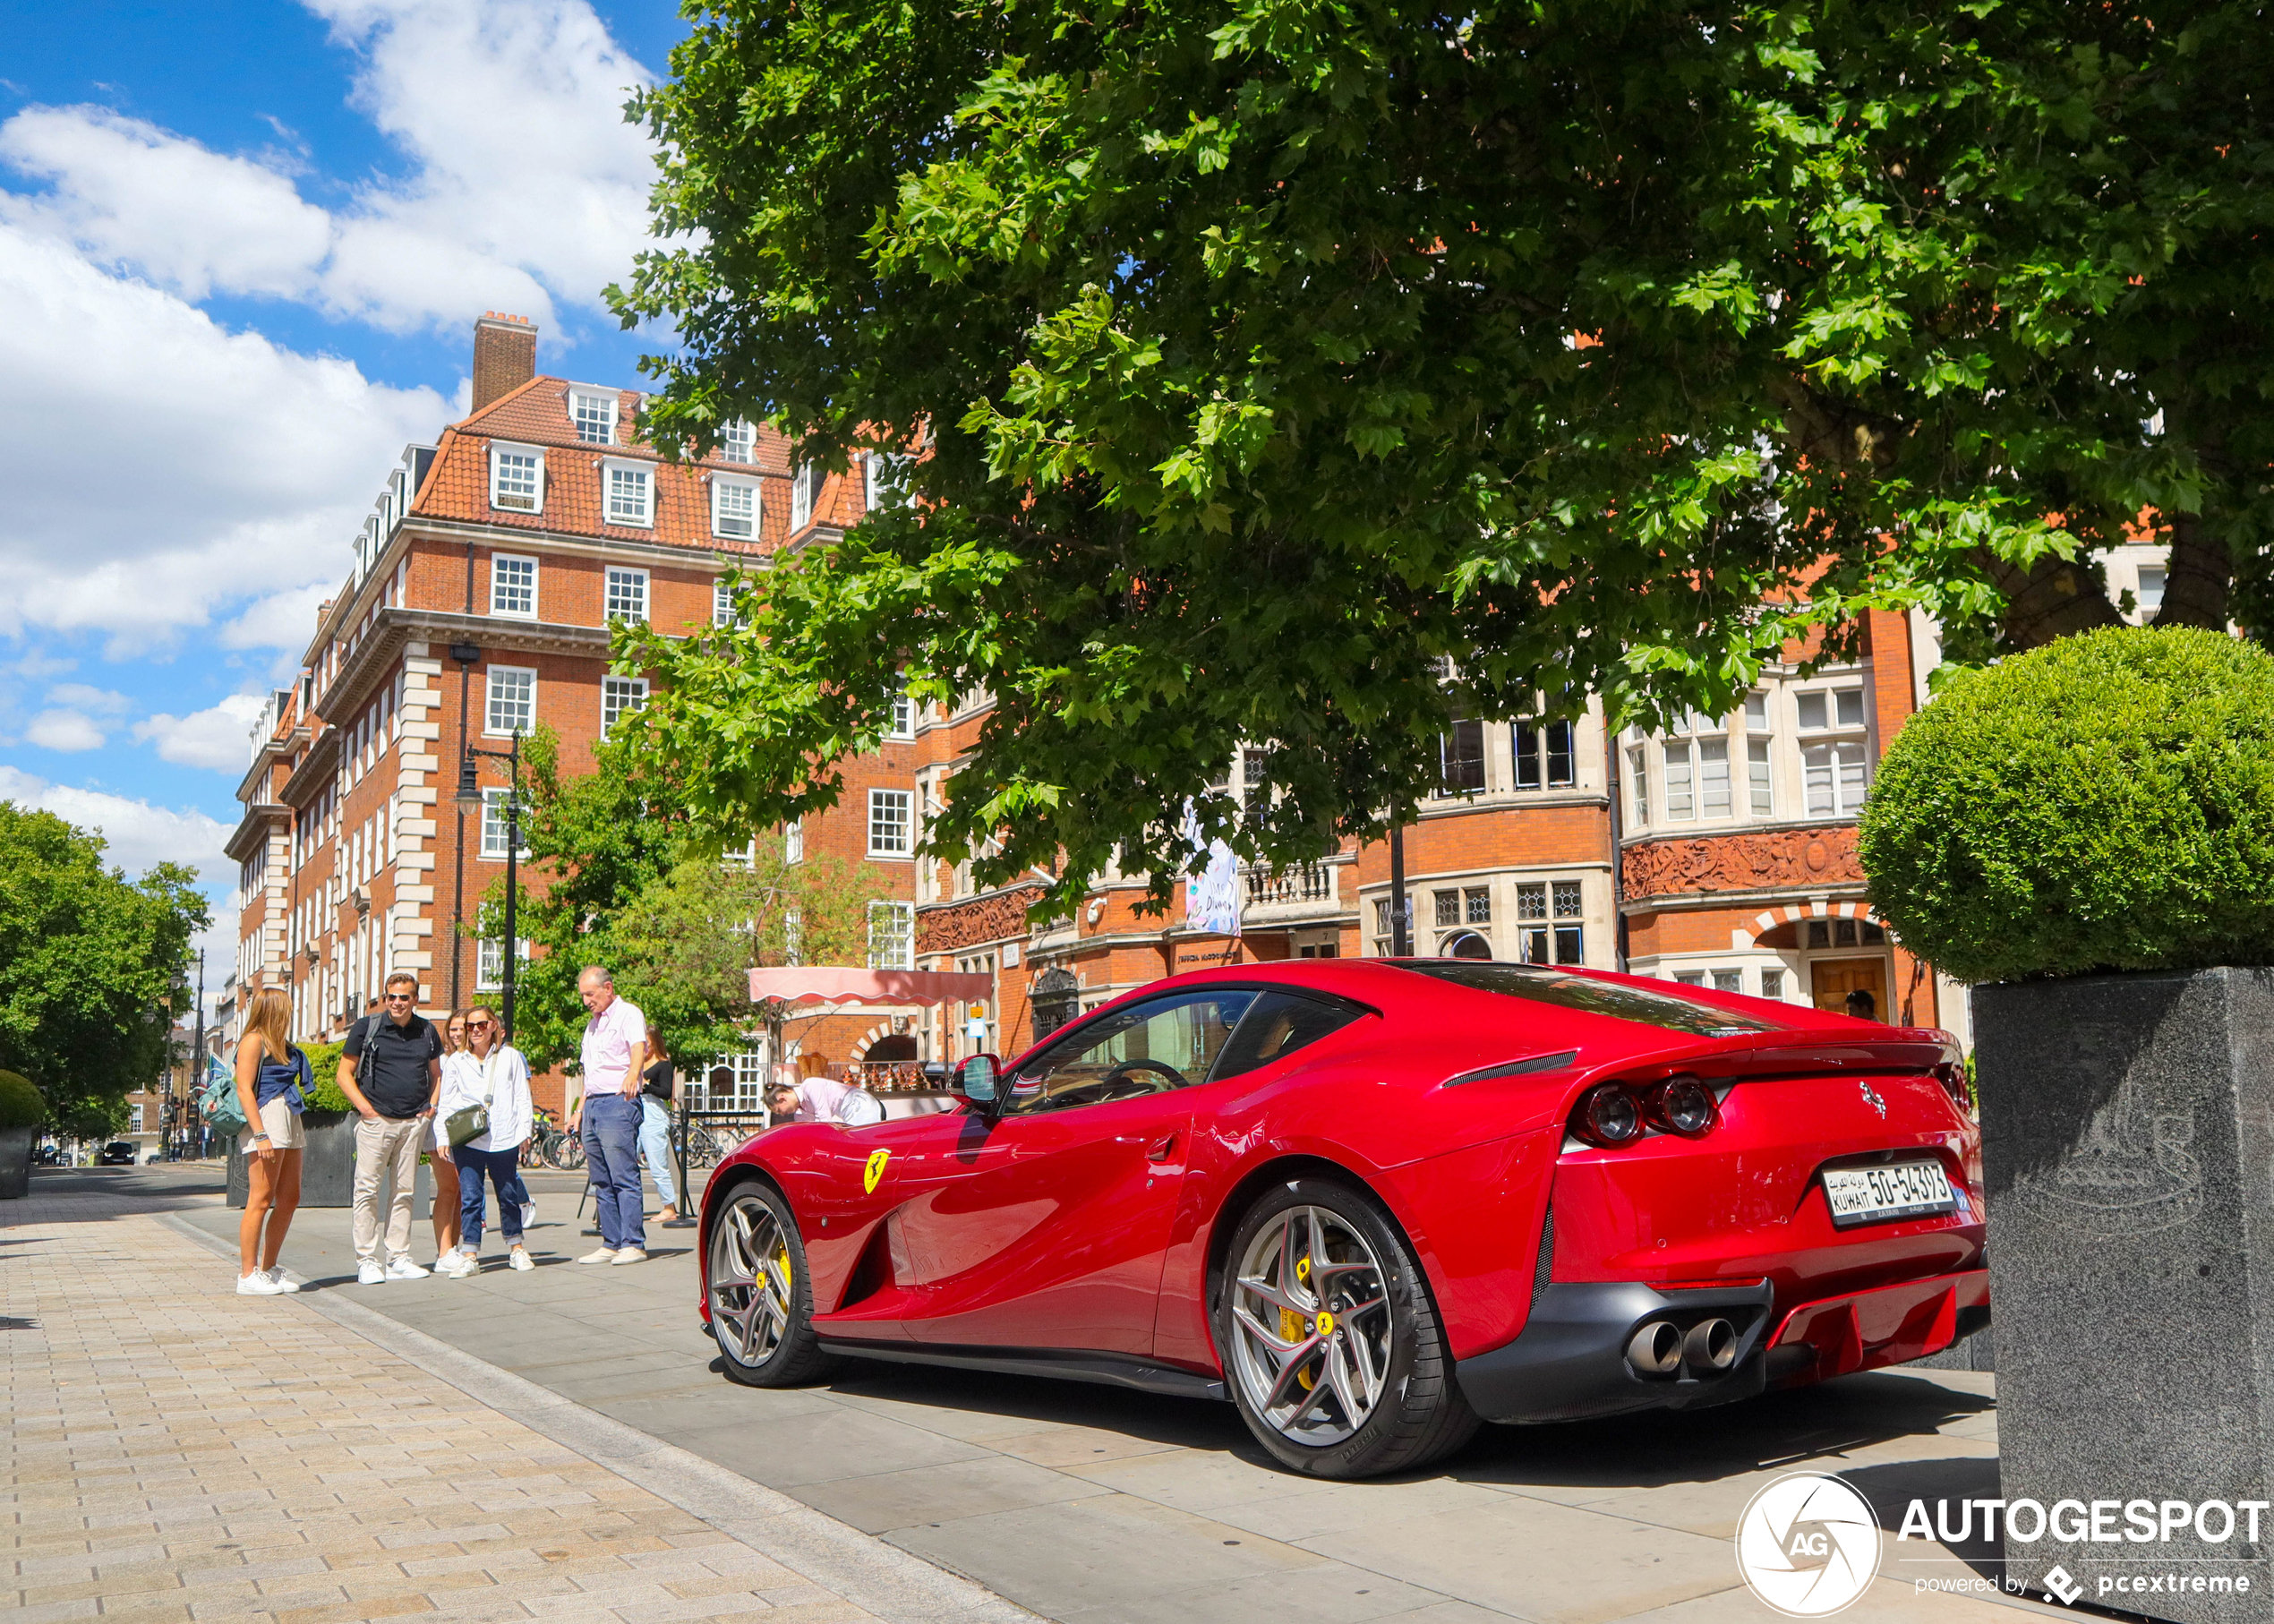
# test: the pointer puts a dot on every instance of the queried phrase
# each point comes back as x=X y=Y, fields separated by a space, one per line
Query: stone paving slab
x=177 y=1453
x=1095 y=1506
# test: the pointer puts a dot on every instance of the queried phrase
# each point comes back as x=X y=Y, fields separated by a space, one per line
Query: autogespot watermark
x=1810 y=1545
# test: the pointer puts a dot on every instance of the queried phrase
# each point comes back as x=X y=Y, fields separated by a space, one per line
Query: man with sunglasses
x=390 y=1068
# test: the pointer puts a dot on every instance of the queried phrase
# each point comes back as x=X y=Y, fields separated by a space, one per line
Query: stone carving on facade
x=1781 y=860
x=986 y=918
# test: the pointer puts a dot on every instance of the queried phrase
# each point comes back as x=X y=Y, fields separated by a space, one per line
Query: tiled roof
x=537 y=414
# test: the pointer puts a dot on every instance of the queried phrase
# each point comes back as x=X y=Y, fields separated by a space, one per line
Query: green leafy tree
x=627 y=879
x=90 y=968
x=1262 y=355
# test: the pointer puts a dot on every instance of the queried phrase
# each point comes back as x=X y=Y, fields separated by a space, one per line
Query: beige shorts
x=281 y=1124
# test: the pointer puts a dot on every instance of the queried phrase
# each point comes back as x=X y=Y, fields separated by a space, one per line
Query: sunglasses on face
x=401 y=997
x=479 y=1026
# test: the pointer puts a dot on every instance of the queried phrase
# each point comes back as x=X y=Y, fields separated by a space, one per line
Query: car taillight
x=1683 y=1106
x=1953 y=1081
x=1608 y=1114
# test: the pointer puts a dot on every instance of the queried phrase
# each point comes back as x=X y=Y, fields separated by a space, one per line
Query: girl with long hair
x=445 y=1170
x=272 y=1091
x=489 y=1072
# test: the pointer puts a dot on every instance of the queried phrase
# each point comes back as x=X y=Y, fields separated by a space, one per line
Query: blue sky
x=243 y=246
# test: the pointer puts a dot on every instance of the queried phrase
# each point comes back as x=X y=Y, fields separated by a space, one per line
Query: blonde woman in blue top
x=272 y=1084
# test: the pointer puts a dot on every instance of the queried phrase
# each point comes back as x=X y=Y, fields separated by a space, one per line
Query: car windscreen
x=1542 y=985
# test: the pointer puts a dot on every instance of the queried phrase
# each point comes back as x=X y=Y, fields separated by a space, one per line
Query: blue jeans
x=655 y=1145
x=504 y=1168
x=611 y=1162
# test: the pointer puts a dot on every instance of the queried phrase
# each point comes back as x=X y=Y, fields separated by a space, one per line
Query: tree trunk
x=2198 y=578
x=2053 y=598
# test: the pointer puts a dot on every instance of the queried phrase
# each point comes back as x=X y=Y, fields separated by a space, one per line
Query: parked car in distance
x=1373 y=1202
x=118 y=1153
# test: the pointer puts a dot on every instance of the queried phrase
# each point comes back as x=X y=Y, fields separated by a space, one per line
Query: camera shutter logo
x=1808 y=1545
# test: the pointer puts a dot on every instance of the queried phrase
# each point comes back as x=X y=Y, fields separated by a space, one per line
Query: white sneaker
x=259 y=1285
x=519 y=1258
x=403 y=1269
x=605 y=1255
x=371 y=1273
x=632 y=1254
x=277 y=1275
x=457 y=1264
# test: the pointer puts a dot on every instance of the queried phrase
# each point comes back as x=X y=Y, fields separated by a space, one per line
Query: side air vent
x=1513 y=1068
x=1547 y=1258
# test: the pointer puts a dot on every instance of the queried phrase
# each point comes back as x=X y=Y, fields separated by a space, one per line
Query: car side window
x=1276 y=1025
x=1148 y=1048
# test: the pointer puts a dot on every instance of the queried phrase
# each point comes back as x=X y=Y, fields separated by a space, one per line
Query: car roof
x=1414 y=987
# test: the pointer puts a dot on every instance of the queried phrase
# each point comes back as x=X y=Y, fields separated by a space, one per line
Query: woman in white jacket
x=488 y=1072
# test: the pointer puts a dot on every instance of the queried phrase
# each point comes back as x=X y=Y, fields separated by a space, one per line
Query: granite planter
x=15 y=1162
x=2128 y=1144
x=327 y=1167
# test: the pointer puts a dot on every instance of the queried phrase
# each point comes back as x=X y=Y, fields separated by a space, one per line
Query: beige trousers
x=386 y=1149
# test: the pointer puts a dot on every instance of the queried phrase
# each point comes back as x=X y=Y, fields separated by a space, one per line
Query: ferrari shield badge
x=871 y=1175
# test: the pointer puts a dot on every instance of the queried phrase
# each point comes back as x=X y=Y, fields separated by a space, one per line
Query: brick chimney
x=504 y=355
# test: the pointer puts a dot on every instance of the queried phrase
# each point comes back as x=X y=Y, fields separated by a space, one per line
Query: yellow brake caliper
x=1292 y=1327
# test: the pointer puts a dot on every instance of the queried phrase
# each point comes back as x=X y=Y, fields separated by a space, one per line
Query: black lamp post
x=469 y=796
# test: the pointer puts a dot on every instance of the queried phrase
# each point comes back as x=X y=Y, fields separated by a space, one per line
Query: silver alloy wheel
x=1312 y=1327
x=751 y=1285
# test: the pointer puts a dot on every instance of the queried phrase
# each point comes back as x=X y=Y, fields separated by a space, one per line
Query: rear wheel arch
x=1252 y=1185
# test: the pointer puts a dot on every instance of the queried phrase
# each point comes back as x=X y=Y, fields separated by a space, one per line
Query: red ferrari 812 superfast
x=1375 y=1201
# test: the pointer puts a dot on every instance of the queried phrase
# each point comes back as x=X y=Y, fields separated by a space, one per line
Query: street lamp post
x=469 y=796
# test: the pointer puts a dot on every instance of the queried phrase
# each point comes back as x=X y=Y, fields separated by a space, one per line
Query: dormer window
x=631 y=493
x=594 y=416
x=805 y=491
x=739 y=442
x=734 y=508
x=516 y=479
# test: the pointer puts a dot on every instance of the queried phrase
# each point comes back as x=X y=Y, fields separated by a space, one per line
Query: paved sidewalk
x=1095 y=1506
x=177 y=1452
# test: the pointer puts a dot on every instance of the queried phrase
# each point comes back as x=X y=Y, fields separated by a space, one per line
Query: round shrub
x=21 y=1105
x=323 y=1072
x=2104 y=803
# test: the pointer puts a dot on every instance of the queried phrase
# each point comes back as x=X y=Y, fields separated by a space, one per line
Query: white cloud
x=512 y=113
x=132 y=194
x=79 y=697
x=63 y=731
x=218 y=737
x=182 y=469
x=526 y=188
x=139 y=835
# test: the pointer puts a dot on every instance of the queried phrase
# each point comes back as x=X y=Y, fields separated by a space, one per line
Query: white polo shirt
x=609 y=1038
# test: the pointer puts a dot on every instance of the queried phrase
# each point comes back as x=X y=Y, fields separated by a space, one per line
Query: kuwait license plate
x=1876 y=1195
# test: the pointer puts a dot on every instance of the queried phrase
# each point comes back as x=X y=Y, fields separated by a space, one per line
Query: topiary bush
x=21 y=1105
x=2104 y=803
x=323 y=1070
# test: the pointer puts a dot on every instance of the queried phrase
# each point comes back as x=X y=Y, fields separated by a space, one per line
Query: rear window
x=1275 y=1026
x=1542 y=985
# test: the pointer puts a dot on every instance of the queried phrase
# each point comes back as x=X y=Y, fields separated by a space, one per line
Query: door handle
x=1161 y=1148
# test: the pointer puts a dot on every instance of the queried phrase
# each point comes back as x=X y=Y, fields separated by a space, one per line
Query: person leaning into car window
x=821 y=1097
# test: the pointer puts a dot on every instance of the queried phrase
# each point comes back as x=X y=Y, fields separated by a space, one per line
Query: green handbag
x=468 y=1124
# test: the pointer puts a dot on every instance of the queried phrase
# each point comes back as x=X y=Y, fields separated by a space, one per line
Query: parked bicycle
x=705 y=1148
x=553 y=1146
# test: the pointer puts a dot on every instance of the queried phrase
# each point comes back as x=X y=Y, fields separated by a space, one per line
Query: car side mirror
x=978 y=1080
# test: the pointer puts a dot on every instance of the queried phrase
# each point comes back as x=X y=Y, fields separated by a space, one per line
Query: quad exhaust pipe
x=1661 y=1348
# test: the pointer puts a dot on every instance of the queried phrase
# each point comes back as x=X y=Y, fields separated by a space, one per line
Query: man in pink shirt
x=615 y=1050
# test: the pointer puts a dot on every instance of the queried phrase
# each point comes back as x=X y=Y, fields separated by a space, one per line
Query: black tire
x=1416 y=1412
x=761 y=1302
x=565 y=1152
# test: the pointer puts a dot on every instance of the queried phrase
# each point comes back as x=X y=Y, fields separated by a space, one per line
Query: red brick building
x=478 y=605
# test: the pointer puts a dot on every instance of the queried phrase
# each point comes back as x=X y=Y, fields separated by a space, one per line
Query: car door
x=1051 y=1233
